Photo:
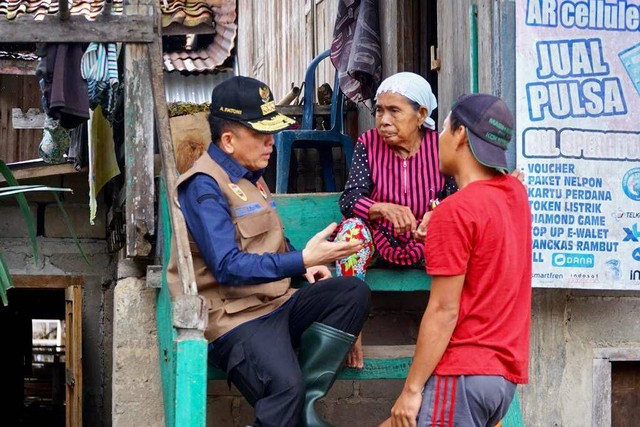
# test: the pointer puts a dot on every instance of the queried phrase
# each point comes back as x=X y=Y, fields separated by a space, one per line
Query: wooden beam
x=296 y=110
x=18 y=67
x=170 y=172
x=32 y=119
x=64 y=10
x=139 y=141
x=25 y=281
x=388 y=351
x=112 y=28
x=43 y=171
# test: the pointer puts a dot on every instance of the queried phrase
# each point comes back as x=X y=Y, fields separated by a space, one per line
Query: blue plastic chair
x=307 y=137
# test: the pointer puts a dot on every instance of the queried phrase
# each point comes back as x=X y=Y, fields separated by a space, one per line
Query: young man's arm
x=436 y=328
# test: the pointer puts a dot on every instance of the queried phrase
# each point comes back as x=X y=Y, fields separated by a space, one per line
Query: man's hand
x=319 y=251
x=355 y=358
x=316 y=273
x=421 y=232
x=405 y=411
x=401 y=216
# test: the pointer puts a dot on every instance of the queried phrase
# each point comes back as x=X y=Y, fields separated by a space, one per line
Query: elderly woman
x=393 y=180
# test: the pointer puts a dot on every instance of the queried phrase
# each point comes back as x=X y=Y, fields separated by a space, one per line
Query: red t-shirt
x=484 y=232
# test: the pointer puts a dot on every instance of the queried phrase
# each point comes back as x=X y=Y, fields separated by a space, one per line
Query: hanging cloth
x=100 y=69
x=355 y=49
x=102 y=158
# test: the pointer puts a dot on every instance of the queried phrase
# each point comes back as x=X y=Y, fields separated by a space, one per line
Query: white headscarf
x=414 y=87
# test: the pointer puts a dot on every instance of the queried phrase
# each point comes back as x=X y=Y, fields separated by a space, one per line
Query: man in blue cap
x=473 y=343
x=281 y=347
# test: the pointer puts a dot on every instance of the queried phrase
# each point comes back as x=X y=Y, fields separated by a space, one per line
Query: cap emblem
x=264 y=93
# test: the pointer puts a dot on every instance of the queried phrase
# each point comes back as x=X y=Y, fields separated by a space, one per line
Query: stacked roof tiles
x=213 y=55
x=220 y=15
x=38 y=9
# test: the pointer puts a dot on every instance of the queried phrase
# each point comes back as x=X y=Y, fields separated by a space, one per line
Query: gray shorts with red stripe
x=465 y=401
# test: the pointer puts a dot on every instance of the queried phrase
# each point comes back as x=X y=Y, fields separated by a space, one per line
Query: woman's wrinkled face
x=397 y=120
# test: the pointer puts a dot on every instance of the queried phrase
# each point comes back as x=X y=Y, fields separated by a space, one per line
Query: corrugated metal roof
x=192 y=88
x=219 y=14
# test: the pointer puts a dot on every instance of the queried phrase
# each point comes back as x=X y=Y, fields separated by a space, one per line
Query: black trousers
x=260 y=358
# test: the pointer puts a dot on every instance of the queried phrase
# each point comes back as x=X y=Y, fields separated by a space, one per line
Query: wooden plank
x=388 y=351
x=18 y=91
x=25 y=281
x=170 y=173
x=73 y=356
x=396 y=280
x=191 y=380
x=296 y=110
x=183 y=360
x=303 y=215
x=44 y=171
x=110 y=28
x=32 y=119
x=139 y=140
x=18 y=67
x=381 y=362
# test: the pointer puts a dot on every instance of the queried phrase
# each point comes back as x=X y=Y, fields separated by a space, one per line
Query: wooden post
x=170 y=173
x=139 y=138
x=64 y=9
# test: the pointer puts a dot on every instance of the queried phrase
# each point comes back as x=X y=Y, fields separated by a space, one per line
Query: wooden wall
x=18 y=91
x=453 y=41
x=278 y=38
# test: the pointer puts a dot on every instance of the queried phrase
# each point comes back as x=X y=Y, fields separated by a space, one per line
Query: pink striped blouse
x=378 y=174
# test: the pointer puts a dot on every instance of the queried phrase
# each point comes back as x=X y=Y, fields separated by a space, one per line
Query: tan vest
x=258 y=230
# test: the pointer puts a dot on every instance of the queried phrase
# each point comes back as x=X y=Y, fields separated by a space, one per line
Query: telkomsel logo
x=631 y=184
x=632 y=234
x=562 y=259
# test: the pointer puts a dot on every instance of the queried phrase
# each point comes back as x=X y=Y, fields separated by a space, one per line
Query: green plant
x=13 y=189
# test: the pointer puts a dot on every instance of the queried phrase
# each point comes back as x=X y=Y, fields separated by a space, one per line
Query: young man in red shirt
x=473 y=344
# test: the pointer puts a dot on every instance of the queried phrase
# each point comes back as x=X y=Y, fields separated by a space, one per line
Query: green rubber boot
x=323 y=350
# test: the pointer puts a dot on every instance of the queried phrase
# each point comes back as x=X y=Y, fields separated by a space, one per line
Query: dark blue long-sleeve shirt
x=208 y=218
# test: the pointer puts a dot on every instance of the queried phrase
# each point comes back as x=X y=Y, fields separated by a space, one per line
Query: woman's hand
x=317 y=273
x=401 y=216
x=421 y=232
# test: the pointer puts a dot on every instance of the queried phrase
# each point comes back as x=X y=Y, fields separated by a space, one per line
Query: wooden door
x=625 y=393
x=73 y=368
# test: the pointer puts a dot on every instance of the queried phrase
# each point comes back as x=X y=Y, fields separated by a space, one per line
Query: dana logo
x=633 y=234
x=561 y=259
x=631 y=184
x=636 y=254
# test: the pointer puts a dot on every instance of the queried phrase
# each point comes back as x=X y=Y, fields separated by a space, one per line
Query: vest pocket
x=253 y=232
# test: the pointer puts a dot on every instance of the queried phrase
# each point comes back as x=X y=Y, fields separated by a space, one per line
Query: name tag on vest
x=247 y=209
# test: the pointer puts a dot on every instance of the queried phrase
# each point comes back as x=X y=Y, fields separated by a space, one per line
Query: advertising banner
x=578 y=139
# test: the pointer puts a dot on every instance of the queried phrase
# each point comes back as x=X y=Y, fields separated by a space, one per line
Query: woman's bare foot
x=355 y=359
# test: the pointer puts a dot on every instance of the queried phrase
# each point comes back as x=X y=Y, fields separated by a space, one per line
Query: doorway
x=625 y=393
x=41 y=368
